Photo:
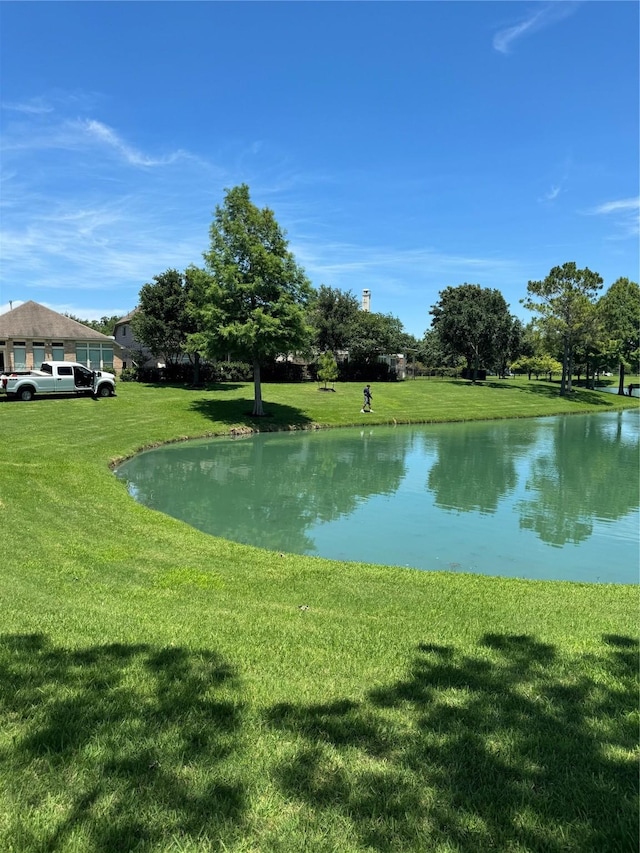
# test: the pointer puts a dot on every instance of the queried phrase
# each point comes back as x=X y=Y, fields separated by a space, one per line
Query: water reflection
x=588 y=472
x=551 y=497
x=476 y=464
x=267 y=489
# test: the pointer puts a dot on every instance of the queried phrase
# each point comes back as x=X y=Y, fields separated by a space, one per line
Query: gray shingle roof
x=127 y=317
x=32 y=320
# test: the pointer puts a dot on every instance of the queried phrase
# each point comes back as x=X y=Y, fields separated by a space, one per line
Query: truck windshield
x=46 y=368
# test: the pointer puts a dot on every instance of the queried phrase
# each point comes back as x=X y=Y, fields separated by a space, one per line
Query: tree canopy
x=162 y=321
x=372 y=334
x=253 y=302
x=473 y=322
x=105 y=325
x=564 y=303
x=332 y=316
x=619 y=310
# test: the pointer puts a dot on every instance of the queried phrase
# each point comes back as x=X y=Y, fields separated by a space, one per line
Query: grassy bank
x=167 y=691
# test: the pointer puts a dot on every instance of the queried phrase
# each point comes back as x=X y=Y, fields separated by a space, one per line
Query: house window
x=95 y=356
x=37 y=349
x=19 y=355
x=57 y=351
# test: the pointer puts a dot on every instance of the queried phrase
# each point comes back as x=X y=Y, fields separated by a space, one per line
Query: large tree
x=564 y=301
x=254 y=301
x=161 y=322
x=473 y=322
x=332 y=315
x=372 y=335
x=619 y=311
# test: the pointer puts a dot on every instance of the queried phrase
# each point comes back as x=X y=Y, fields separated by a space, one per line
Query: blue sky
x=403 y=146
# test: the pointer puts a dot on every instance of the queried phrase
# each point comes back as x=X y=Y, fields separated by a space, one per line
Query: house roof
x=126 y=317
x=32 y=320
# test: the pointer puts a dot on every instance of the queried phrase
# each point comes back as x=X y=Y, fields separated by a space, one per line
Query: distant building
x=366 y=300
x=397 y=363
x=32 y=333
x=134 y=353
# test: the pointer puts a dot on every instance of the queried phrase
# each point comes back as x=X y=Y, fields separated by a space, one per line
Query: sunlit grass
x=163 y=690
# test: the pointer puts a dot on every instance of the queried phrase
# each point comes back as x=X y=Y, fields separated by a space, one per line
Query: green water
x=548 y=498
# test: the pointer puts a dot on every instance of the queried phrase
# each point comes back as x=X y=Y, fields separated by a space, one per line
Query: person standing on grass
x=366 y=406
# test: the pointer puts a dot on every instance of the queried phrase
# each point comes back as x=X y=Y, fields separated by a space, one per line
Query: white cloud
x=8 y=306
x=41 y=128
x=545 y=16
x=34 y=106
x=552 y=194
x=350 y=267
x=105 y=135
x=624 y=214
x=615 y=206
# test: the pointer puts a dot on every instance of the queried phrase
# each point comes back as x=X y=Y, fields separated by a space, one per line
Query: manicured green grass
x=162 y=690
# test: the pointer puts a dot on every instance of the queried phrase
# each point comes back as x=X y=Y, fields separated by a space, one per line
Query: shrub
x=129 y=374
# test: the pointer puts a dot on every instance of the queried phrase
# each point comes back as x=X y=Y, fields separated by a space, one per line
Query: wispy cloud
x=552 y=194
x=625 y=216
x=561 y=173
x=538 y=19
x=78 y=134
x=107 y=136
x=387 y=270
x=615 y=206
x=34 y=106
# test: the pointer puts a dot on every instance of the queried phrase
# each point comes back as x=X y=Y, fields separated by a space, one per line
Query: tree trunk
x=196 y=369
x=258 y=411
x=621 y=380
x=565 y=385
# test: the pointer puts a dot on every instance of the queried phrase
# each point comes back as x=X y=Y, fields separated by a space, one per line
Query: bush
x=481 y=374
x=375 y=371
x=230 y=371
x=129 y=374
x=285 y=371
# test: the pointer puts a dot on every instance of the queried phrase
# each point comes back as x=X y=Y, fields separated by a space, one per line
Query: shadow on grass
x=239 y=411
x=512 y=749
x=133 y=745
x=182 y=386
x=578 y=394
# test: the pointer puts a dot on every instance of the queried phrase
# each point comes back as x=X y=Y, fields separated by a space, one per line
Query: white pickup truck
x=58 y=377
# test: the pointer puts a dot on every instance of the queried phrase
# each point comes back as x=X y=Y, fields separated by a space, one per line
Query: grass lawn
x=163 y=690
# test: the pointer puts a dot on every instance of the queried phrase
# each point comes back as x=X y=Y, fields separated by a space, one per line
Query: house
x=134 y=354
x=31 y=334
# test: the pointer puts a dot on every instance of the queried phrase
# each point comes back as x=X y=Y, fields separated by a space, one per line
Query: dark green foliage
x=564 y=301
x=327 y=368
x=252 y=301
x=473 y=322
x=105 y=325
x=619 y=310
x=332 y=315
x=162 y=323
x=372 y=335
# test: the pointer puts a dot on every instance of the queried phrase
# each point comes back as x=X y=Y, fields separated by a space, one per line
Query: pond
x=543 y=498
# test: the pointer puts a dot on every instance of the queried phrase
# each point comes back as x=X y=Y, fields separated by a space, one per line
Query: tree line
x=251 y=302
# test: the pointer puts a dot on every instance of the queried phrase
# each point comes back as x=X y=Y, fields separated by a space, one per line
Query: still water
x=547 y=498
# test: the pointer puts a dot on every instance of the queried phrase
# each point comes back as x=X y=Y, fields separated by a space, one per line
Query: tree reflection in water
x=495 y=497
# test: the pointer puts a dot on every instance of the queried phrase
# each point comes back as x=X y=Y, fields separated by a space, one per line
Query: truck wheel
x=26 y=393
x=104 y=390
